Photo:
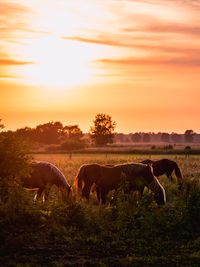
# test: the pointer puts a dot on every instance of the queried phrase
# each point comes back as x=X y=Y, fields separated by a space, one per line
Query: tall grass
x=129 y=232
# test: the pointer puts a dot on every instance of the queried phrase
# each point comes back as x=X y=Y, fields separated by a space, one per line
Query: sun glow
x=57 y=62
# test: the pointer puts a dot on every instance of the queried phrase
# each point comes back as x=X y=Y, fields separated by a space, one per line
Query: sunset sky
x=67 y=60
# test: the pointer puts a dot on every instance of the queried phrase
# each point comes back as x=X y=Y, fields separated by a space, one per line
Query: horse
x=42 y=177
x=107 y=178
x=165 y=166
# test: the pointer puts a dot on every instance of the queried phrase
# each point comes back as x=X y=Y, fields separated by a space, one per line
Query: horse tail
x=80 y=179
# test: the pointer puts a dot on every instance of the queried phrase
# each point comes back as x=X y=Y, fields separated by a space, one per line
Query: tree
x=72 y=132
x=146 y=138
x=49 y=133
x=1 y=125
x=26 y=133
x=165 y=137
x=136 y=137
x=176 y=137
x=14 y=163
x=103 y=130
x=188 y=136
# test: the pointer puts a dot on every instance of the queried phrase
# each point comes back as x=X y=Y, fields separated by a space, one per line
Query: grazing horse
x=42 y=177
x=107 y=178
x=165 y=166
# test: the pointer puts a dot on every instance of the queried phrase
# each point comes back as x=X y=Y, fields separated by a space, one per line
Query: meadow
x=131 y=232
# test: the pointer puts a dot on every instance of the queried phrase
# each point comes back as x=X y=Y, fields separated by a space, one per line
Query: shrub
x=14 y=162
x=72 y=145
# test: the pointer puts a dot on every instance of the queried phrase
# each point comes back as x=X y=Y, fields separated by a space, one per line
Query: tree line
x=140 y=137
x=101 y=133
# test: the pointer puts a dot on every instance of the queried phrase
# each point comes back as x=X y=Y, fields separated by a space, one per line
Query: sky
x=68 y=60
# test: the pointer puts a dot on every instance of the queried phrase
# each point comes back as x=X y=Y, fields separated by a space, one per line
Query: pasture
x=131 y=232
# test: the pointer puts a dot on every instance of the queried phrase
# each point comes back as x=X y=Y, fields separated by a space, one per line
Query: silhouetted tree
x=119 y=137
x=26 y=133
x=1 y=125
x=136 y=137
x=72 y=132
x=49 y=133
x=176 y=137
x=146 y=138
x=14 y=162
x=103 y=130
x=165 y=137
x=188 y=136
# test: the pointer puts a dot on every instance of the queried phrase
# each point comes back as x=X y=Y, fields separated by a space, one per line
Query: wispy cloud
x=166 y=29
x=184 y=61
x=10 y=62
x=149 y=44
x=100 y=41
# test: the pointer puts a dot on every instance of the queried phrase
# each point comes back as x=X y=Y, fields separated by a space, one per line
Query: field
x=129 y=233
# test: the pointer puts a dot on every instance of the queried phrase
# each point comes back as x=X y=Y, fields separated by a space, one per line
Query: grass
x=129 y=233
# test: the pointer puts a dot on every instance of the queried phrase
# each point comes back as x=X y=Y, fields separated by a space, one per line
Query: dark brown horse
x=165 y=166
x=107 y=178
x=43 y=176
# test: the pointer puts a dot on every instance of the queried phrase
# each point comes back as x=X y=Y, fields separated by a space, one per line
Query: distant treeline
x=140 y=137
x=51 y=133
x=71 y=135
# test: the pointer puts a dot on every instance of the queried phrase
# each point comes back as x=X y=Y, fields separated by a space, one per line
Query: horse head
x=155 y=186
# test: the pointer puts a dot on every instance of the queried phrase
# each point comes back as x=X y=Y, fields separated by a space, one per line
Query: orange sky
x=137 y=61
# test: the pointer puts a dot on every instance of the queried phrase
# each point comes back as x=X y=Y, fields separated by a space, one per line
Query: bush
x=72 y=145
x=14 y=162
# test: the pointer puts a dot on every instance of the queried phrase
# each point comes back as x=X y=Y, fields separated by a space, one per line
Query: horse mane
x=131 y=168
x=155 y=186
x=158 y=190
x=59 y=174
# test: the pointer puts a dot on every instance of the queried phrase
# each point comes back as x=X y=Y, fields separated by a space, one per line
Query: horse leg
x=169 y=175
x=103 y=196
x=46 y=194
x=86 y=192
x=141 y=191
x=38 y=194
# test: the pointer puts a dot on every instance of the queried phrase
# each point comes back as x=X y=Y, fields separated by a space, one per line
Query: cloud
x=15 y=21
x=150 y=44
x=7 y=9
x=191 y=3
x=100 y=41
x=182 y=61
x=165 y=29
x=10 y=62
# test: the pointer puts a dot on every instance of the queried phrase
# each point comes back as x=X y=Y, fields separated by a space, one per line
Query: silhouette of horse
x=165 y=166
x=107 y=178
x=42 y=177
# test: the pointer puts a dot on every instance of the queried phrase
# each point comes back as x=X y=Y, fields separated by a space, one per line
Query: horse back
x=110 y=177
x=163 y=166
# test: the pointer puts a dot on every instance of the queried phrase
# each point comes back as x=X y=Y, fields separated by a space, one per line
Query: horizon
x=87 y=131
x=136 y=60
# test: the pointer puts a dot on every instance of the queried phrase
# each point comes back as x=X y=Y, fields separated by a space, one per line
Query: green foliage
x=13 y=163
x=13 y=157
x=131 y=231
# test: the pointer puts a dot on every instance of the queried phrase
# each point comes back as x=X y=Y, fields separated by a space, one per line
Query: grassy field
x=129 y=233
